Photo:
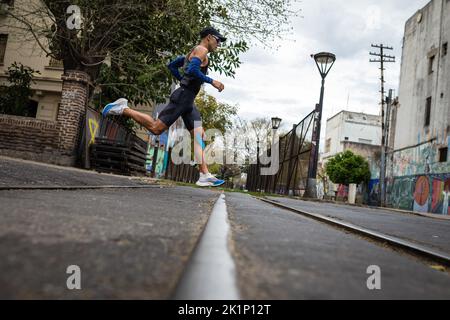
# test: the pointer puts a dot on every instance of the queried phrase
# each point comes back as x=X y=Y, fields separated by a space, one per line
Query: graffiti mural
x=401 y=193
x=374 y=192
x=425 y=194
x=342 y=191
x=417 y=180
x=421 y=195
x=160 y=161
x=421 y=160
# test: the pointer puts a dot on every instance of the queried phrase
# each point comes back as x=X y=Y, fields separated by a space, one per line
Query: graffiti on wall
x=401 y=193
x=342 y=191
x=374 y=192
x=421 y=160
x=92 y=126
x=425 y=193
x=422 y=195
x=160 y=161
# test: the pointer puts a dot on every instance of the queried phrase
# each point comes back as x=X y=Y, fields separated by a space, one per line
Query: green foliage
x=124 y=45
x=215 y=115
x=14 y=99
x=347 y=168
x=253 y=21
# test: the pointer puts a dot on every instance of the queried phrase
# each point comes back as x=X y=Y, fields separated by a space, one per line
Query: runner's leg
x=154 y=126
x=198 y=135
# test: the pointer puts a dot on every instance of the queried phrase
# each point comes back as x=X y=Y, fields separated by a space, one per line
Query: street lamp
x=276 y=123
x=324 y=62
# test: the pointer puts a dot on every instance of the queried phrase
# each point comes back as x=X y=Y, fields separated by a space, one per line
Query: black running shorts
x=181 y=105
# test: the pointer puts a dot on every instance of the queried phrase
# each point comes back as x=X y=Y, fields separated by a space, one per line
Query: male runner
x=195 y=66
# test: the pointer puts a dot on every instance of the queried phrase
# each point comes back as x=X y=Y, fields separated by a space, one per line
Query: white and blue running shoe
x=115 y=108
x=208 y=180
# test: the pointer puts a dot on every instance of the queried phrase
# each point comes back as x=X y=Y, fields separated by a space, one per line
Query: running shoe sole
x=209 y=184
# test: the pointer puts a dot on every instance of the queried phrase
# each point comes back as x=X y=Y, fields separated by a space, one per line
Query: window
x=365 y=141
x=443 y=154
x=31 y=110
x=431 y=65
x=347 y=138
x=328 y=146
x=3 y=41
x=444 y=49
x=428 y=112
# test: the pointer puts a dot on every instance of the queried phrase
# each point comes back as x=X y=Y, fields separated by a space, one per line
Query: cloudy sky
x=286 y=82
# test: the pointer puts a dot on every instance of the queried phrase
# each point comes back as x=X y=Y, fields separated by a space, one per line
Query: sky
x=285 y=82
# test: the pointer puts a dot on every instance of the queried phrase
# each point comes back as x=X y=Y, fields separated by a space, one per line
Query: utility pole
x=382 y=58
x=386 y=135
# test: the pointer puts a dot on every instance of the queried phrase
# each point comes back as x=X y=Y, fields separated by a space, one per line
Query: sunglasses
x=217 y=39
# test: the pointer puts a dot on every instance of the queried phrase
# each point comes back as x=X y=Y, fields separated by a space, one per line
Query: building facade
x=355 y=131
x=62 y=113
x=16 y=45
x=419 y=167
x=360 y=133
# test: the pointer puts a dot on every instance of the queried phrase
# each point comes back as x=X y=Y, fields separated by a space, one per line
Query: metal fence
x=295 y=149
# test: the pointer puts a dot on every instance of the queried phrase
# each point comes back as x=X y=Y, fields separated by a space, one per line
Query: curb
x=423 y=215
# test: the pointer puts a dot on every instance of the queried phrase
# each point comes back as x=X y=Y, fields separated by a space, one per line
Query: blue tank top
x=189 y=81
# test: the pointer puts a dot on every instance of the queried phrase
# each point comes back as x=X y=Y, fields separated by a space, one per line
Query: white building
x=351 y=129
x=419 y=168
x=424 y=93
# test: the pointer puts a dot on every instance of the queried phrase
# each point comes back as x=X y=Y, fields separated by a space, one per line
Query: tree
x=347 y=168
x=14 y=99
x=215 y=115
x=124 y=45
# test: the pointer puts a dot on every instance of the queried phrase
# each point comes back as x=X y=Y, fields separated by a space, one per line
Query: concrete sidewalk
x=16 y=172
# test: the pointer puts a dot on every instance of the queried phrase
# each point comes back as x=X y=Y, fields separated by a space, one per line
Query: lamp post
x=276 y=123
x=324 y=62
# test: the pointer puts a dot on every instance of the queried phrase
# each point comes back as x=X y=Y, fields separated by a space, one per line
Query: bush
x=15 y=98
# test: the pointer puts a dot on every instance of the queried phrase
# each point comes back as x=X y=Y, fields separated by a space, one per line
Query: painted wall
x=425 y=193
x=418 y=182
x=420 y=160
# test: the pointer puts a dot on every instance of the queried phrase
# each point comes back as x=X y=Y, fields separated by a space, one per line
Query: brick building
x=54 y=114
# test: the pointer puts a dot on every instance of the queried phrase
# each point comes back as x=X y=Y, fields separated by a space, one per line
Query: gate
x=295 y=149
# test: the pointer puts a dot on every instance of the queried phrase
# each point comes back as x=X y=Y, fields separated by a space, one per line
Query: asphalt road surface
x=137 y=243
